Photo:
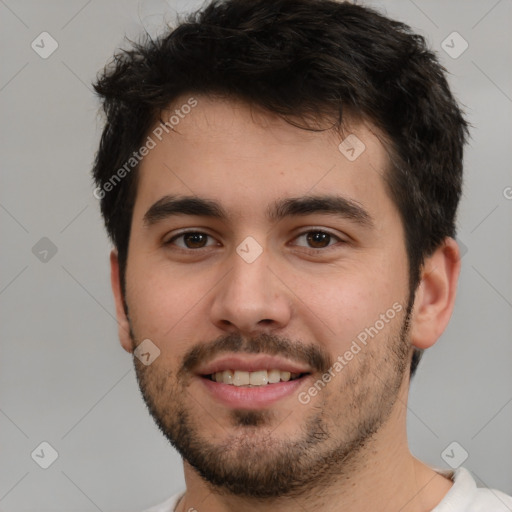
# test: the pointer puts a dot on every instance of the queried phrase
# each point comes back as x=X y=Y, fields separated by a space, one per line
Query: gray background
x=65 y=379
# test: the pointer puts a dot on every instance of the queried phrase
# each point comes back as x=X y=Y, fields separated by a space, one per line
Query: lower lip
x=256 y=397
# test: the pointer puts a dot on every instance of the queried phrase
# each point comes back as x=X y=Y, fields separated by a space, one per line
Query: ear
x=122 y=319
x=435 y=295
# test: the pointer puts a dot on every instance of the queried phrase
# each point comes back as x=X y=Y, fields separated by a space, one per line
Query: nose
x=251 y=298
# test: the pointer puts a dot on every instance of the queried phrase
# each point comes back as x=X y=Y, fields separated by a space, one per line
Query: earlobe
x=435 y=295
x=122 y=319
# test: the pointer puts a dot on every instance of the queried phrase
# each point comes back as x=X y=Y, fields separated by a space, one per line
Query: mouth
x=258 y=378
x=252 y=381
x=255 y=390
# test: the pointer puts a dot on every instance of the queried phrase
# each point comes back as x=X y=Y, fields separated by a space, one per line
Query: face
x=260 y=252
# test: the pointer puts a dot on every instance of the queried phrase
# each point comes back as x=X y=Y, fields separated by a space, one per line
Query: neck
x=385 y=477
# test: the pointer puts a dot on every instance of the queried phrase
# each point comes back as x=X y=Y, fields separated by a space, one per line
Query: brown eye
x=195 y=240
x=191 y=240
x=318 y=239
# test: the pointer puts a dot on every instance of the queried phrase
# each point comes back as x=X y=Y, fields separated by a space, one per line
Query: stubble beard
x=254 y=459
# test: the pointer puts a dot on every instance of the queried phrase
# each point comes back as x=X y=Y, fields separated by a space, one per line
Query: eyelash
x=303 y=233
x=184 y=233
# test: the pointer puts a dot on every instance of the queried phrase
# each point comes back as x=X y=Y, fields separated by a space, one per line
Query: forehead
x=245 y=158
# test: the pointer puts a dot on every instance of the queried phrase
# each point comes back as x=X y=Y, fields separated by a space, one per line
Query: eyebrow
x=328 y=204
x=169 y=206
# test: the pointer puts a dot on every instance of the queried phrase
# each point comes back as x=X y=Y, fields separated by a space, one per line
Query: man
x=280 y=181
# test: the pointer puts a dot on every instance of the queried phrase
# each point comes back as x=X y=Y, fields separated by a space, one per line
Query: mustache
x=316 y=357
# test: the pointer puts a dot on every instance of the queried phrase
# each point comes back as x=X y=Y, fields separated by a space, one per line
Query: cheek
x=158 y=301
x=342 y=304
x=339 y=312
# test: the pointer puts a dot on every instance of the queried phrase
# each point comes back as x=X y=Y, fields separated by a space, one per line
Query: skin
x=323 y=298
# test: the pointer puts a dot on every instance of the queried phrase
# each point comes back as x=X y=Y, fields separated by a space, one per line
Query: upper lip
x=251 y=363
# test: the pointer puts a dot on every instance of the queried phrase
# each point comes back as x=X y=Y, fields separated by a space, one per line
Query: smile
x=256 y=378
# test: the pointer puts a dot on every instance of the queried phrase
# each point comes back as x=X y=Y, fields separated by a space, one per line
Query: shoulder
x=168 y=505
x=465 y=496
x=490 y=500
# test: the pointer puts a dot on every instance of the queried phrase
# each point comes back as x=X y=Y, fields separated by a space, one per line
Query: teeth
x=258 y=378
x=241 y=378
x=274 y=376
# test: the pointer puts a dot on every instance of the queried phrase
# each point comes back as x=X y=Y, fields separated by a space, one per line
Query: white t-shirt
x=464 y=496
